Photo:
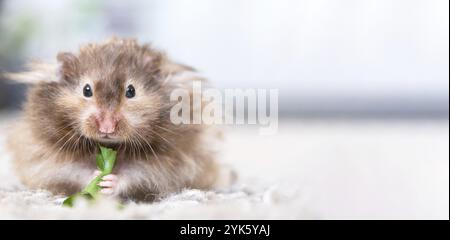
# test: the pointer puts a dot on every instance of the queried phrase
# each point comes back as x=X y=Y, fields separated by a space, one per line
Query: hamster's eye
x=131 y=92
x=87 y=91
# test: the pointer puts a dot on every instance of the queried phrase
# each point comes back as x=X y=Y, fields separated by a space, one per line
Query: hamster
x=116 y=94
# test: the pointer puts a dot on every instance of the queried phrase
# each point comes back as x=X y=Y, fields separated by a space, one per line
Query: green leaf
x=105 y=163
x=109 y=159
x=68 y=202
x=100 y=162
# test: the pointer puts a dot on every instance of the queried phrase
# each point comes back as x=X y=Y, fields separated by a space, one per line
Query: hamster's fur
x=55 y=142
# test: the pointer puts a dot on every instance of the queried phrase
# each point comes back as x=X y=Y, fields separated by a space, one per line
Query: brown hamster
x=115 y=94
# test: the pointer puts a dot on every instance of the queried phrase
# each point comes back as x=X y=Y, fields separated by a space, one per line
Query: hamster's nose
x=106 y=124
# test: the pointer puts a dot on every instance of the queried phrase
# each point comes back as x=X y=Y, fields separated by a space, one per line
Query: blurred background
x=364 y=85
x=327 y=57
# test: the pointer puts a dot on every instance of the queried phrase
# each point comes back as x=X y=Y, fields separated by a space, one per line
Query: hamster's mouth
x=93 y=133
x=108 y=138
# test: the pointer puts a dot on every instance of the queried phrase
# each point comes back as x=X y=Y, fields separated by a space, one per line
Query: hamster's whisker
x=56 y=144
x=167 y=130
x=140 y=146
x=170 y=143
x=136 y=145
x=145 y=140
x=49 y=153
x=68 y=140
x=133 y=146
x=75 y=144
x=65 y=127
x=151 y=130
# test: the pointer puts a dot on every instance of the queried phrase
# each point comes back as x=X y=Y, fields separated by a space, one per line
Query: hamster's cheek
x=140 y=111
x=68 y=100
x=134 y=118
x=76 y=107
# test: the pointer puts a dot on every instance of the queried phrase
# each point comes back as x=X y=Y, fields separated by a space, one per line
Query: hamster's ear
x=68 y=66
x=152 y=62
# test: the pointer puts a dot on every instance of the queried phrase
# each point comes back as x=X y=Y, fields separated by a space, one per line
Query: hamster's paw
x=108 y=184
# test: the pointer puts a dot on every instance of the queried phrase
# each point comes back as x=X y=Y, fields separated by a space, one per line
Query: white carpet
x=309 y=170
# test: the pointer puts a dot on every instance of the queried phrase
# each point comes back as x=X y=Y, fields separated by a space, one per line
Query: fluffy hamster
x=116 y=94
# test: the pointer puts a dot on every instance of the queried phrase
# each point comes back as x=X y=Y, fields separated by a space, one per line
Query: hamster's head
x=107 y=93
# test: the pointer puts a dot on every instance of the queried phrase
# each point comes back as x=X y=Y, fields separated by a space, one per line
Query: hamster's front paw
x=108 y=184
